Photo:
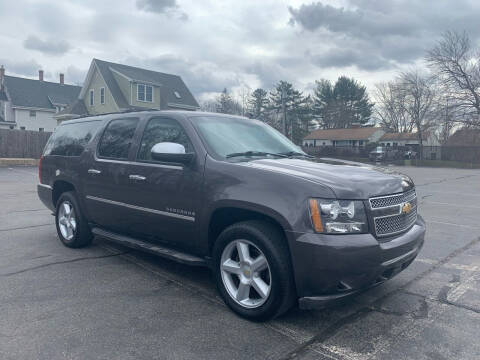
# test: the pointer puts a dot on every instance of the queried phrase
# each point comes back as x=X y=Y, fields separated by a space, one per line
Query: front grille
x=388 y=215
x=391 y=200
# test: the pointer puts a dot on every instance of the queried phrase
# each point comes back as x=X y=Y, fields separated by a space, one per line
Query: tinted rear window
x=117 y=138
x=71 y=139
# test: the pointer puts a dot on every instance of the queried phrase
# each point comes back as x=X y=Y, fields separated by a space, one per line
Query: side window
x=71 y=139
x=117 y=138
x=162 y=130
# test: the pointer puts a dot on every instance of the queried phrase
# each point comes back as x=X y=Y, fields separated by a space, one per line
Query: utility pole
x=284 y=109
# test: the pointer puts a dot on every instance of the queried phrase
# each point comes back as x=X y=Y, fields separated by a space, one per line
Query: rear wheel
x=72 y=228
x=253 y=271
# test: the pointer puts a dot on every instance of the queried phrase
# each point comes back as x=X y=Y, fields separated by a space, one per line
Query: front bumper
x=328 y=268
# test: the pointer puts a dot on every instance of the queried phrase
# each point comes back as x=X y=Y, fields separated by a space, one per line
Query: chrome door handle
x=94 y=171
x=137 y=177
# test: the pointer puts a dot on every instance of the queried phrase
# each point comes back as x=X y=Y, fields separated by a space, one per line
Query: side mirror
x=171 y=152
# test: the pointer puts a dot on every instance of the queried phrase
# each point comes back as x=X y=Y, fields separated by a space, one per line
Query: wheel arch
x=230 y=213
x=59 y=187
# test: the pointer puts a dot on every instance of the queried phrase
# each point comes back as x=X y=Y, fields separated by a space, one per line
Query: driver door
x=167 y=194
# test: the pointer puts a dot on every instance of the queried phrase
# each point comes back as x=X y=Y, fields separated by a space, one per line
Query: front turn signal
x=315 y=214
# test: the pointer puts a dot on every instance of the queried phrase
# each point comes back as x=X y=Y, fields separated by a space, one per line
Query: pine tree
x=258 y=104
x=342 y=104
x=287 y=102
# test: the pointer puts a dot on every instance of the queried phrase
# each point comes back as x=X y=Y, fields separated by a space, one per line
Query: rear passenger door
x=106 y=176
x=167 y=193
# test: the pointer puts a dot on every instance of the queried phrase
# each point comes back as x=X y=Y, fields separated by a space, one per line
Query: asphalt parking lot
x=108 y=302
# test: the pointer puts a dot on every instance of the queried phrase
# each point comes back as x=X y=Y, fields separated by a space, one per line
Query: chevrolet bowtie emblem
x=406 y=208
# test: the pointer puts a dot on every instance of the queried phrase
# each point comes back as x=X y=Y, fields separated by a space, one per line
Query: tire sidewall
x=249 y=232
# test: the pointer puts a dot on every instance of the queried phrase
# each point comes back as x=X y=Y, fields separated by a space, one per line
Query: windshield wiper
x=255 y=153
x=296 y=153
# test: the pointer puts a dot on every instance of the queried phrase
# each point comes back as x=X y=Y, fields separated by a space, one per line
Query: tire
x=233 y=275
x=72 y=228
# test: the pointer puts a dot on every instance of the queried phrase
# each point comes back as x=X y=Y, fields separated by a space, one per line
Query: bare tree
x=420 y=102
x=457 y=66
x=390 y=107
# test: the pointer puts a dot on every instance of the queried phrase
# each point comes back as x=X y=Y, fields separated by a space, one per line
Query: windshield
x=225 y=136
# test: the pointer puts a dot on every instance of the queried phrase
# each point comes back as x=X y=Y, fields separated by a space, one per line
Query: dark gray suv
x=276 y=226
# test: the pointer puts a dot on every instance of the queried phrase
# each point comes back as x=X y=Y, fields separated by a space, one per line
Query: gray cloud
x=156 y=6
x=376 y=35
x=50 y=47
x=341 y=57
x=28 y=68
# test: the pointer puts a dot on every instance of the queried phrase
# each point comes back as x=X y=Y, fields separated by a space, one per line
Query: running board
x=155 y=249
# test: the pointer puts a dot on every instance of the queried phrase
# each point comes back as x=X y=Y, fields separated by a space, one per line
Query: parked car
x=410 y=154
x=382 y=153
x=378 y=154
x=275 y=226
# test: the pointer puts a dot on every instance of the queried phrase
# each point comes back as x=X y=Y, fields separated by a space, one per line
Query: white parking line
x=448 y=265
x=464 y=286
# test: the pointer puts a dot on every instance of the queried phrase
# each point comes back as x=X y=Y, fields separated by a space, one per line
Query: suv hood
x=348 y=180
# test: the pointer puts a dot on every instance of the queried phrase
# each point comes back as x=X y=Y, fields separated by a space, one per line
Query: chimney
x=40 y=75
x=2 y=75
x=62 y=79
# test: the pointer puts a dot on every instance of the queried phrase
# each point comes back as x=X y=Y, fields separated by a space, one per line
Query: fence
x=22 y=143
x=460 y=154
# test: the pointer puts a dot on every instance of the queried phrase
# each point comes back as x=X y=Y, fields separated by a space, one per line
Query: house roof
x=3 y=96
x=76 y=108
x=169 y=84
x=343 y=134
x=39 y=94
x=465 y=137
x=401 y=136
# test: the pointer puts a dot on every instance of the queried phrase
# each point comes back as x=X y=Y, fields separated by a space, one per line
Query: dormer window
x=144 y=93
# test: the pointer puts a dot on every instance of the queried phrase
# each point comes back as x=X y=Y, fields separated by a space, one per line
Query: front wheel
x=253 y=270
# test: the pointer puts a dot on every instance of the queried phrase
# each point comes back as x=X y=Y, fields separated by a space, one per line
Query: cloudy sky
x=214 y=44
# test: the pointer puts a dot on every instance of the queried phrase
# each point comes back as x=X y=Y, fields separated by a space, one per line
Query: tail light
x=40 y=169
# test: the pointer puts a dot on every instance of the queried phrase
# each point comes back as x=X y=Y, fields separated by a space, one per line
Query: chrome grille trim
x=395 y=222
x=381 y=202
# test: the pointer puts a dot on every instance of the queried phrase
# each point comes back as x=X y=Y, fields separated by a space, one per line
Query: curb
x=18 y=162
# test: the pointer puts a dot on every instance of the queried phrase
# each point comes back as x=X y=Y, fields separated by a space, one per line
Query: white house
x=28 y=104
x=408 y=139
x=351 y=137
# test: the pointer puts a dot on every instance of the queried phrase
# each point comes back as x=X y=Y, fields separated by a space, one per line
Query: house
x=408 y=140
x=32 y=104
x=111 y=87
x=465 y=137
x=351 y=137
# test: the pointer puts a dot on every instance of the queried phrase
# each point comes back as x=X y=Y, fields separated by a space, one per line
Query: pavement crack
x=63 y=262
x=26 y=227
x=327 y=333
x=446 y=179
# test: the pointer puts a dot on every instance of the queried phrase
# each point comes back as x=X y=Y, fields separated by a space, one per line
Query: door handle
x=137 y=177
x=94 y=171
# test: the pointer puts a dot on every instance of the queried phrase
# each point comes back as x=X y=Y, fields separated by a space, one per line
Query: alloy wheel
x=67 y=222
x=245 y=273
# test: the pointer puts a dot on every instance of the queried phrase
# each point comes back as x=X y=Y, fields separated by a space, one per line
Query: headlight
x=338 y=216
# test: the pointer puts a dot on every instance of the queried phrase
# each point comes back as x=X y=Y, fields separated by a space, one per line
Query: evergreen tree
x=287 y=102
x=225 y=103
x=342 y=104
x=258 y=104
